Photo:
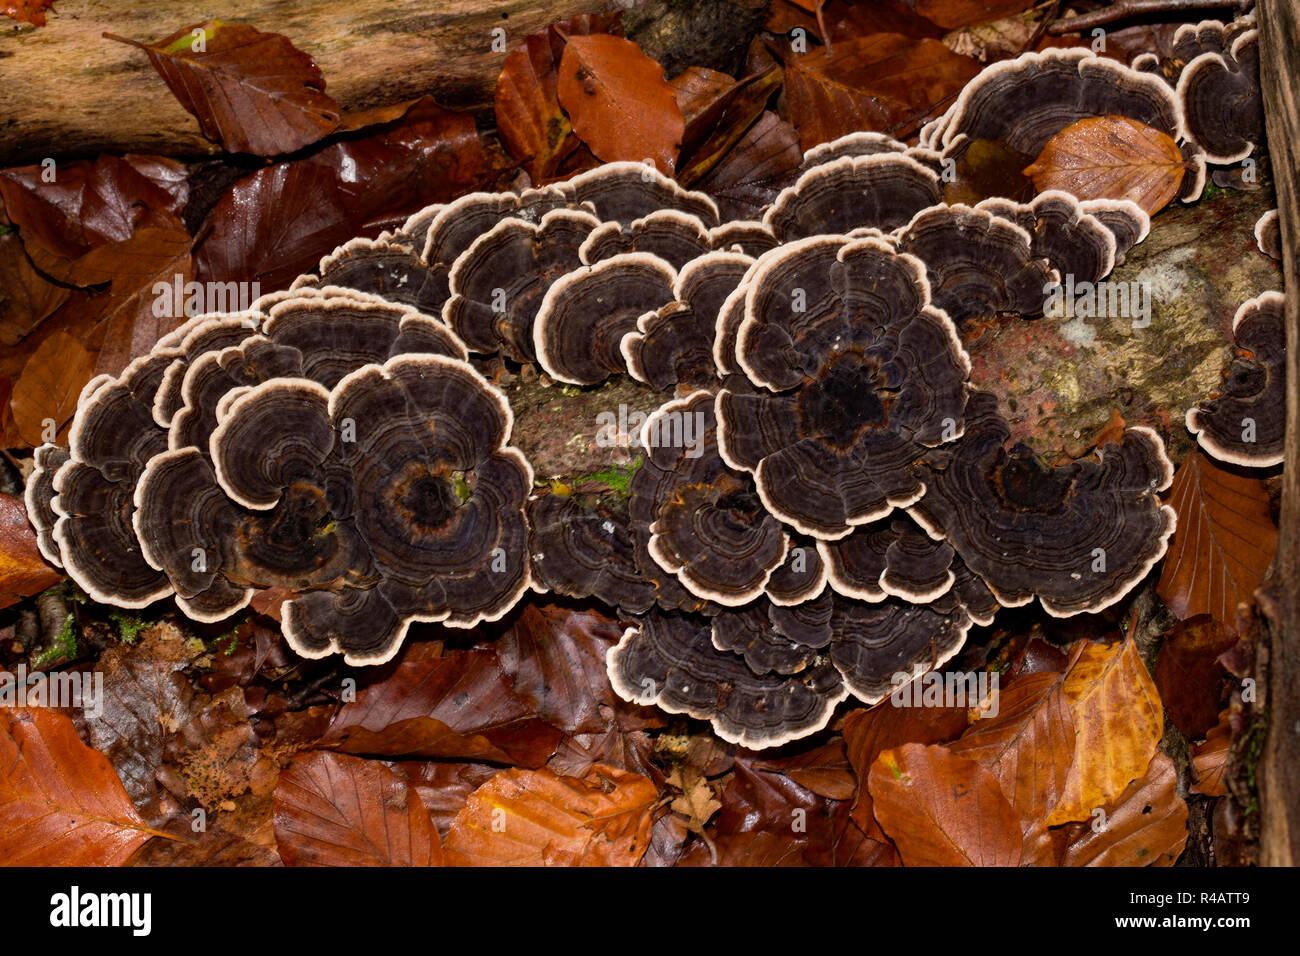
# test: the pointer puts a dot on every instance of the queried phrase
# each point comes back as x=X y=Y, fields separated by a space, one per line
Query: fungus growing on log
x=889 y=558
x=382 y=267
x=1245 y=423
x=1074 y=242
x=1078 y=537
x=861 y=375
x=39 y=499
x=1268 y=235
x=676 y=237
x=772 y=638
x=625 y=191
x=883 y=190
x=1222 y=105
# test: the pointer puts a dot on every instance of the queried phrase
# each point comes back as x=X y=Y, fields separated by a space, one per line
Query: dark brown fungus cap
x=383 y=267
x=1268 y=235
x=1127 y=221
x=1221 y=101
x=890 y=558
x=708 y=526
x=872 y=643
x=801 y=576
x=670 y=660
x=1073 y=242
x=853 y=144
x=456 y=225
x=584 y=315
x=415 y=230
x=675 y=344
x=1245 y=424
x=884 y=191
x=676 y=237
x=771 y=638
x=498 y=283
x=978 y=264
x=625 y=191
x=1078 y=537
x=751 y=238
x=867 y=375
x=581 y=552
x=1026 y=101
x=203 y=334
x=439 y=504
x=39 y=498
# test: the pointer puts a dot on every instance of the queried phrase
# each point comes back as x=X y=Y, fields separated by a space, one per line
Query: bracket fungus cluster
x=824 y=502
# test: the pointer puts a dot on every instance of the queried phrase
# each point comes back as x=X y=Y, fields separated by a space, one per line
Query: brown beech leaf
x=824 y=770
x=1210 y=759
x=760 y=165
x=460 y=706
x=49 y=386
x=941 y=809
x=214 y=846
x=539 y=818
x=1111 y=157
x=1190 y=676
x=886 y=82
x=987 y=168
x=1028 y=746
x=950 y=14
x=28 y=11
x=61 y=804
x=444 y=786
x=555 y=658
x=336 y=810
x=1146 y=825
x=1224 y=542
x=23 y=572
x=619 y=102
x=26 y=297
x=722 y=122
x=252 y=92
x=1118 y=721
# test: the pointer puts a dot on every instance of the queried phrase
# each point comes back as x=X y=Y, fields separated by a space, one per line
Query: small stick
x=1133 y=8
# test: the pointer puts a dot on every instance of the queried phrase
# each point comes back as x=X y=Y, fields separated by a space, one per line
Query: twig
x=1132 y=8
x=1040 y=28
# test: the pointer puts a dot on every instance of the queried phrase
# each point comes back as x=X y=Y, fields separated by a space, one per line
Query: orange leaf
x=336 y=810
x=49 y=386
x=943 y=810
x=1118 y=721
x=539 y=818
x=28 y=11
x=1224 y=543
x=1210 y=759
x=23 y=572
x=1146 y=825
x=619 y=102
x=61 y=803
x=1028 y=746
x=252 y=92
x=1111 y=157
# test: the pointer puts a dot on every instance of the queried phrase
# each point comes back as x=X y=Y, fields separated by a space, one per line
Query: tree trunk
x=1279 y=768
x=66 y=91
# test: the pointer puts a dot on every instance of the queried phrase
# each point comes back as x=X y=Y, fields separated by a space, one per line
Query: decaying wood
x=66 y=91
x=1279 y=771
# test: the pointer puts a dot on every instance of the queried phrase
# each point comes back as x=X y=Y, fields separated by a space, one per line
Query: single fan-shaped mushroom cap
x=581 y=552
x=579 y=329
x=1078 y=537
x=868 y=375
x=627 y=191
x=1245 y=424
x=459 y=223
x=205 y=333
x=498 y=283
x=39 y=498
x=382 y=267
x=1268 y=235
x=415 y=230
x=675 y=344
x=676 y=237
x=1026 y=101
x=772 y=638
x=708 y=526
x=1221 y=100
x=978 y=264
x=883 y=191
x=864 y=143
x=1127 y=221
x=1074 y=242
x=670 y=660
x=801 y=577
x=889 y=558
x=751 y=238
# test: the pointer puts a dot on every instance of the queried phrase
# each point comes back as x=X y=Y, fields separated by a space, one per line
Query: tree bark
x=65 y=91
x=1279 y=768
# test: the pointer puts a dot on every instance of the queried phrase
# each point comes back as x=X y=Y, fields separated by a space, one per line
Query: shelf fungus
x=1245 y=423
x=1220 y=95
x=858 y=376
x=1078 y=537
x=385 y=267
x=882 y=190
x=1268 y=235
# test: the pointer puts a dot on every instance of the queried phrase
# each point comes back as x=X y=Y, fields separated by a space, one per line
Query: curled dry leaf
x=1190 y=676
x=1118 y=721
x=23 y=572
x=758 y=167
x=715 y=125
x=26 y=297
x=1145 y=826
x=1210 y=759
x=619 y=102
x=539 y=818
x=942 y=809
x=336 y=810
x=1028 y=746
x=1224 y=542
x=48 y=388
x=61 y=803
x=252 y=92
x=1111 y=157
